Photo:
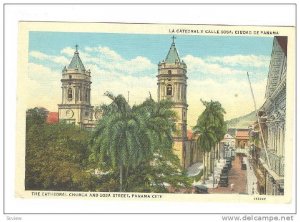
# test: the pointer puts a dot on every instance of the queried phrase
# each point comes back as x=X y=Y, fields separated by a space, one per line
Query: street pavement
x=237 y=177
x=239 y=181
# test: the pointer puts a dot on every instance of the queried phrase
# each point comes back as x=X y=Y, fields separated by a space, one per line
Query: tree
x=119 y=140
x=210 y=127
x=56 y=157
x=163 y=167
x=36 y=116
x=158 y=122
x=206 y=139
x=220 y=128
x=162 y=174
x=132 y=139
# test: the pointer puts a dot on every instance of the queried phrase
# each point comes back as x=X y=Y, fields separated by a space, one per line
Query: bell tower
x=75 y=107
x=172 y=84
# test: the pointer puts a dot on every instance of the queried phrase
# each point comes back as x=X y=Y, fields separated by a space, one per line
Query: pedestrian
x=231 y=186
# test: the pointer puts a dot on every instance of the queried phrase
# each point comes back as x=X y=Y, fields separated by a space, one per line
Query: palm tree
x=206 y=138
x=159 y=123
x=125 y=137
x=219 y=122
x=211 y=129
x=205 y=142
x=215 y=114
x=116 y=140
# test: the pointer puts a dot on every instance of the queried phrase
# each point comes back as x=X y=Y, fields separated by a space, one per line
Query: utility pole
x=258 y=120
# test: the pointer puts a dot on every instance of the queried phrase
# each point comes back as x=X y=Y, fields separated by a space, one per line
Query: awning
x=195 y=169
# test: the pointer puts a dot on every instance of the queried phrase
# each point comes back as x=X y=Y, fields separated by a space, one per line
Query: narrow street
x=237 y=177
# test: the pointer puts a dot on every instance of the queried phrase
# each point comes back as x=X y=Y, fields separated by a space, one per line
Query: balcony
x=276 y=162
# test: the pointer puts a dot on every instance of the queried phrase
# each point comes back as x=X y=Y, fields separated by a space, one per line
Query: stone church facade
x=172 y=84
x=76 y=107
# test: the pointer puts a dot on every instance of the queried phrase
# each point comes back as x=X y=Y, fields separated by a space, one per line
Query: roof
x=52 y=117
x=173 y=55
x=228 y=136
x=242 y=134
x=76 y=62
x=282 y=41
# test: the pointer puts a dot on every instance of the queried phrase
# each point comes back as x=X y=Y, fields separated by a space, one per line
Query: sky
x=217 y=68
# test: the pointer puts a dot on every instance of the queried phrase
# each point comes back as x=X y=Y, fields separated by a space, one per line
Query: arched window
x=169 y=72
x=70 y=94
x=169 y=90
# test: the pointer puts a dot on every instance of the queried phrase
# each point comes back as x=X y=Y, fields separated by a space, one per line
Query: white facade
x=228 y=140
x=274 y=109
x=171 y=84
x=75 y=107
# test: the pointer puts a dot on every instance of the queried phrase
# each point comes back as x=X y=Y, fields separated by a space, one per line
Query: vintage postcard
x=155 y=112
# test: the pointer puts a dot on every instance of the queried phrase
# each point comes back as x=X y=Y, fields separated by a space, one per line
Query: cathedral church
x=76 y=107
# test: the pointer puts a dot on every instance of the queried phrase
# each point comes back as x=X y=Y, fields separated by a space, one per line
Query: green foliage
x=119 y=137
x=158 y=120
x=36 y=116
x=211 y=126
x=155 y=176
x=108 y=182
x=137 y=141
x=57 y=158
x=162 y=172
x=132 y=146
